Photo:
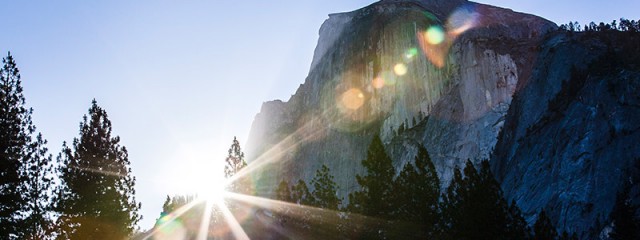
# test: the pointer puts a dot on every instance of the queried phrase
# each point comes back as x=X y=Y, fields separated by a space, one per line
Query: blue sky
x=180 y=79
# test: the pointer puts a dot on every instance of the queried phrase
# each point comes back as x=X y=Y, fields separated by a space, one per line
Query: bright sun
x=197 y=174
x=211 y=187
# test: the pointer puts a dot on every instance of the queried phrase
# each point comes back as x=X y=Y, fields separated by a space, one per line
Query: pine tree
x=234 y=163
x=417 y=192
x=15 y=132
x=401 y=129
x=452 y=200
x=300 y=194
x=566 y=236
x=39 y=182
x=517 y=227
x=375 y=196
x=325 y=189
x=625 y=224
x=283 y=192
x=184 y=225
x=96 y=197
x=543 y=229
x=474 y=207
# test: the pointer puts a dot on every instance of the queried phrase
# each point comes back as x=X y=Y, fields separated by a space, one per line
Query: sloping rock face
x=434 y=73
x=570 y=137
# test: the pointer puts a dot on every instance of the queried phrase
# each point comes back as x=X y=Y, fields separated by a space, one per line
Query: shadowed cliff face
x=453 y=66
x=560 y=109
x=570 y=138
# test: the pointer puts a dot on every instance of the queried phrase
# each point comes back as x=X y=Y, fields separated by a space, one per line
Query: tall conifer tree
x=418 y=191
x=625 y=223
x=543 y=229
x=375 y=196
x=474 y=208
x=325 y=190
x=283 y=192
x=37 y=189
x=234 y=163
x=15 y=132
x=96 y=197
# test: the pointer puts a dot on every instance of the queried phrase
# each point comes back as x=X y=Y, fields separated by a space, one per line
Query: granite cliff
x=450 y=75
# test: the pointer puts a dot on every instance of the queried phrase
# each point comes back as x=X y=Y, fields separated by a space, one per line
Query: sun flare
x=197 y=175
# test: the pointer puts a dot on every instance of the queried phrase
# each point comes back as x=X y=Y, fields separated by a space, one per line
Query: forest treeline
x=410 y=205
x=624 y=25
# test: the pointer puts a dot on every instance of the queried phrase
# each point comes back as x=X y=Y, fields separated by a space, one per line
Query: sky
x=180 y=79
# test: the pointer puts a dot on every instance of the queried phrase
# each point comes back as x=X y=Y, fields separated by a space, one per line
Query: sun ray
x=172 y=217
x=206 y=219
x=233 y=223
x=298 y=211
x=284 y=146
x=108 y=173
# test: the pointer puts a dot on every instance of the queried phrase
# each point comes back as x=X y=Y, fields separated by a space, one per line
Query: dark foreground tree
x=375 y=196
x=417 y=193
x=325 y=190
x=543 y=229
x=300 y=194
x=38 y=171
x=474 y=208
x=625 y=223
x=566 y=236
x=283 y=192
x=517 y=227
x=15 y=132
x=96 y=197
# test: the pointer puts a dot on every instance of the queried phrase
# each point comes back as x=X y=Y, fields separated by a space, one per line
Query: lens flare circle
x=400 y=69
x=434 y=35
x=352 y=99
x=171 y=228
x=377 y=82
x=411 y=53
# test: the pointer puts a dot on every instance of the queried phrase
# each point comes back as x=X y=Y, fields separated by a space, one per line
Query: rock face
x=374 y=71
x=441 y=74
x=570 y=138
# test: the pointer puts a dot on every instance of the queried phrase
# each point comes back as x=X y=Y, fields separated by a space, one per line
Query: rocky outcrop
x=570 y=137
x=462 y=79
x=443 y=70
x=556 y=113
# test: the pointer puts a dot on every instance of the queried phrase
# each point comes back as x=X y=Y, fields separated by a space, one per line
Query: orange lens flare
x=378 y=82
x=352 y=99
x=435 y=42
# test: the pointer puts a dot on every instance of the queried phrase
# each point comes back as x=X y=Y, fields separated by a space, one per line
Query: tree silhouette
x=39 y=182
x=474 y=207
x=375 y=196
x=96 y=197
x=283 y=192
x=625 y=223
x=517 y=227
x=26 y=171
x=234 y=163
x=300 y=194
x=543 y=229
x=324 y=190
x=417 y=193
